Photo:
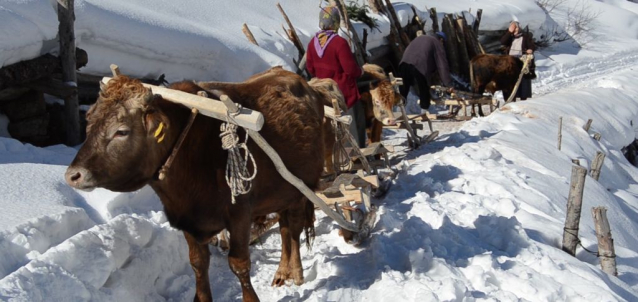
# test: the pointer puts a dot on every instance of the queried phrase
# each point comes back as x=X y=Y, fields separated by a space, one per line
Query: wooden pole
x=420 y=23
x=403 y=38
x=374 y=6
x=66 y=16
x=606 y=251
x=435 y=19
x=249 y=34
x=292 y=33
x=462 y=43
x=597 y=165
x=477 y=21
x=359 y=52
x=587 y=125
x=451 y=44
x=560 y=131
x=285 y=173
x=574 y=207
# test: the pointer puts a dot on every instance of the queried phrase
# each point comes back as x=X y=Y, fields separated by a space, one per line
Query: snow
x=476 y=215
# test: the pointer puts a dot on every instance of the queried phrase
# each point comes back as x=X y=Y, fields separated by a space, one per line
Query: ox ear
x=156 y=124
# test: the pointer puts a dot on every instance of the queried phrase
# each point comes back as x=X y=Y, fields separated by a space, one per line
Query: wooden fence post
x=606 y=252
x=560 y=131
x=588 y=125
x=249 y=34
x=66 y=16
x=574 y=207
x=596 y=165
x=597 y=136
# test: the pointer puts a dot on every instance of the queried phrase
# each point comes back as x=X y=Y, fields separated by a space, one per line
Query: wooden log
x=477 y=21
x=560 y=132
x=473 y=45
x=292 y=33
x=588 y=125
x=462 y=44
x=375 y=6
x=249 y=34
x=435 y=20
x=359 y=51
x=248 y=118
x=285 y=173
x=574 y=206
x=403 y=38
x=418 y=20
x=66 y=32
x=451 y=44
x=606 y=251
x=596 y=165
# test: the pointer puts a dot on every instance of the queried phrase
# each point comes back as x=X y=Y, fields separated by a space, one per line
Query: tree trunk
x=66 y=16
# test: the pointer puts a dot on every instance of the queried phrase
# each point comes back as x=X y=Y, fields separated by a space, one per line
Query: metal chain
x=238 y=177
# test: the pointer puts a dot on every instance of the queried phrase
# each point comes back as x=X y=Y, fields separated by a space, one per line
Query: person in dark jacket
x=422 y=58
x=329 y=56
x=517 y=43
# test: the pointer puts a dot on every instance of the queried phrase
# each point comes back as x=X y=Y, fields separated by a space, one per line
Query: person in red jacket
x=329 y=56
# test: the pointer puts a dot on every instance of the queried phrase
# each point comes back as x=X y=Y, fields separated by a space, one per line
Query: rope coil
x=341 y=159
x=238 y=177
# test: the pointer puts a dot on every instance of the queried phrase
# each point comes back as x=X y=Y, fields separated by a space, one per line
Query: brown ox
x=378 y=97
x=122 y=153
x=494 y=72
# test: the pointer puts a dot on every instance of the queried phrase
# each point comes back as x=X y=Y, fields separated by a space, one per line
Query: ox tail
x=472 y=78
x=309 y=222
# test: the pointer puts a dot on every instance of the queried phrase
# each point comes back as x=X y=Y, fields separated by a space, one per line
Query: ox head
x=124 y=135
x=384 y=98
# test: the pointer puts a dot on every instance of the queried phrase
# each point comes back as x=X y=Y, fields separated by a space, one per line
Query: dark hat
x=441 y=35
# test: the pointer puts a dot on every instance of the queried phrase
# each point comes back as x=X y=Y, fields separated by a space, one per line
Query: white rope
x=238 y=177
x=341 y=159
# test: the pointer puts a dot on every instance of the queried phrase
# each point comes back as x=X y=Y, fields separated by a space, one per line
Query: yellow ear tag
x=159 y=132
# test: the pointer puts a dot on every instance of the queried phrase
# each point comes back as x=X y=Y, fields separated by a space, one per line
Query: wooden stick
x=518 y=82
x=293 y=33
x=477 y=21
x=560 y=132
x=574 y=206
x=403 y=38
x=249 y=34
x=418 y=19
x=66 y=31
x=435 y=19
x=329 y=113
x=115 y=70
x=359 y=52
x=597 y=165
x=451 y=44
x=606 y=251
x=587 y=125
x=248 y=118
x=374 y=6
x=285 y=173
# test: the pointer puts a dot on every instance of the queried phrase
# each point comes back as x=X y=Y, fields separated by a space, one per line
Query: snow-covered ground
x=476 y=215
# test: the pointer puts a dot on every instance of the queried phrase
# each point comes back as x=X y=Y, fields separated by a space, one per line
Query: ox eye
x=121 y=133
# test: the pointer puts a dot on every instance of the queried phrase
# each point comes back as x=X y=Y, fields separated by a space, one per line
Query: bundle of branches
x=358 y=12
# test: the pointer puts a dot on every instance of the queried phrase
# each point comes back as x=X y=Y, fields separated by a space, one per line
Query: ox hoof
x=280 y=278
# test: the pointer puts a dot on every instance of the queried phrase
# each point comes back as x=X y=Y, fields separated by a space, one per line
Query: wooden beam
x=248 y=118
x=66 y=32
x=329 y=113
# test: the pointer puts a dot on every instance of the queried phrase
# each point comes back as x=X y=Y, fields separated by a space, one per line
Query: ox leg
x=376 y=131
x=283 y=272
x=200 y=260
x=239 y=254
x=296 y=222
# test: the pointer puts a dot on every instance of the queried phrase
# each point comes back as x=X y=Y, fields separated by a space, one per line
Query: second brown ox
x=123 y=152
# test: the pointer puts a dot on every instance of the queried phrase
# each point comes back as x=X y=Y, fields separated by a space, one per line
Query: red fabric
x=338 y=64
